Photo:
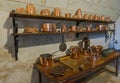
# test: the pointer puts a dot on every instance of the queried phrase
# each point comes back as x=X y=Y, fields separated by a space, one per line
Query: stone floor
x=106 y=77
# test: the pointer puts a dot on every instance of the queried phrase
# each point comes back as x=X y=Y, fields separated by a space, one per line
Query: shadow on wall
x=37 y=40
x=9 y=45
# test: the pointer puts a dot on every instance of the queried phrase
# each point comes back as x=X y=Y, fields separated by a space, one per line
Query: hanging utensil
x=62 y=46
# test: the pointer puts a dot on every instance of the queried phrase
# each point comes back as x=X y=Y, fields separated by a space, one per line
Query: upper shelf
x=20 y=15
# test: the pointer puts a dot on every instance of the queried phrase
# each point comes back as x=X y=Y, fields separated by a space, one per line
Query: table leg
x=40 y=80
x=116 y=66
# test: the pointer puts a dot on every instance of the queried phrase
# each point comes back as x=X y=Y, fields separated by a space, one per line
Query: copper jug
x=108 y=19
x=63 y=28
x=79 y=13
x=102 y=18
x=90 y=17
x=68 y=15
x=86 y=16
x=47 y=27
x=74 y=52
x=85 y=45
x=73 y=28
x=96 y=17
x=57 y=12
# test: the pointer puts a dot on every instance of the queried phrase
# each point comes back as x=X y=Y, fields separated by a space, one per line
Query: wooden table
x=71 y=76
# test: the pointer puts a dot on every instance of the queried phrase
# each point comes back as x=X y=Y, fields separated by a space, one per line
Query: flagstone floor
x=106 y=77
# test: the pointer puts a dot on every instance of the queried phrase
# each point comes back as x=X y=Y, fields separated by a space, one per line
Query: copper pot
x=20 y=10
x=73 y=28
x=96 y=48
x=30 y=9
x=79 y=13
x=91 y=17
x=102 y=27
x=96 y=17
x=46 y=60
x=57 y=12
x=54 y=27
x=47 y=27
x=108 y=19
x=74 y=16
x=86 y=16
x=45 y=12
x=68 y=15
x=88 y=29
x=42 y=12
x=31 y=29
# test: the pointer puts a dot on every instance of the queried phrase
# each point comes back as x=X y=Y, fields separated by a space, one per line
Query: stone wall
x=31 y=47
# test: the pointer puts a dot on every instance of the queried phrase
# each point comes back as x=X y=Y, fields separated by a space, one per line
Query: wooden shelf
x=16 y=34
x=20 y=15
x=40 y=33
